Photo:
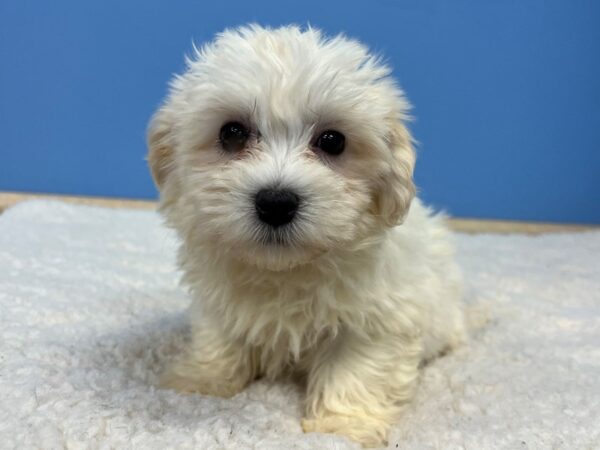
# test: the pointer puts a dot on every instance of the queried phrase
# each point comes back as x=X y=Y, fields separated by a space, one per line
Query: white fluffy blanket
x=90 y=310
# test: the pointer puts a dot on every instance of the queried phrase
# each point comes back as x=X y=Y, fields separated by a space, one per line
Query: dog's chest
x=284 y=323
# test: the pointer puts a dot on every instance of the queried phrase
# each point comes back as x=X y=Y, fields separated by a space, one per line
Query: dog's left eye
x=233 y=136
x=332 y=142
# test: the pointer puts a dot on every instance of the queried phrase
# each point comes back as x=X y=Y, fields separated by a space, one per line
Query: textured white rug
x=90 y=310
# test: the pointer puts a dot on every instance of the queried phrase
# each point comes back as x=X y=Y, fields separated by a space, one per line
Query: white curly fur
x=349 y=301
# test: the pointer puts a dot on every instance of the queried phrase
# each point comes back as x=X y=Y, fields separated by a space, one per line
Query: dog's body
x=285 y=176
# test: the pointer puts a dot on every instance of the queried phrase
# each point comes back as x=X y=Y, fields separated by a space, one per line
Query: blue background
x=506 y=93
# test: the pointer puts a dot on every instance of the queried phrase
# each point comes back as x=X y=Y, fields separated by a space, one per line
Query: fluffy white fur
x=361 y=287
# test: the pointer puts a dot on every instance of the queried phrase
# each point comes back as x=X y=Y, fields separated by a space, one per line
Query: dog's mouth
x=277 y=238
x=277 y=249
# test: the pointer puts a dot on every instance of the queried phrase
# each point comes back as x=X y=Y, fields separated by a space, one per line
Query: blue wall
x=507 y=93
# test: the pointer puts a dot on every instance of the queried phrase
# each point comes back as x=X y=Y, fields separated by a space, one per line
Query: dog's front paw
x=365 y=430
x=200 y=383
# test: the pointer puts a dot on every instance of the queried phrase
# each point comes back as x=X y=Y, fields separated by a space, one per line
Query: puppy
x=285 y=166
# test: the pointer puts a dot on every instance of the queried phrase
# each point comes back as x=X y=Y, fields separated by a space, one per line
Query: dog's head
x=278 y=145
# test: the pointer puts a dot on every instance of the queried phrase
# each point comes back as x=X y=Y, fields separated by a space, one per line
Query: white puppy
x=285 y=167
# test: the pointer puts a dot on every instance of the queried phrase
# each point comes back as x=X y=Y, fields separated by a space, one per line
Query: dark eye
x=233 y=136
x=331 y=141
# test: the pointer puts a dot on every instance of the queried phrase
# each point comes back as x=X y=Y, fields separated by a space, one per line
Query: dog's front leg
x=213 y=364
x=357 y=386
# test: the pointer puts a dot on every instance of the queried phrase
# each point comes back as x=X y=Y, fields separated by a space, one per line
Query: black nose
x=276 y=207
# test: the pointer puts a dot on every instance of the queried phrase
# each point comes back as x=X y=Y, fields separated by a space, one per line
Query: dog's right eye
x=233 y=136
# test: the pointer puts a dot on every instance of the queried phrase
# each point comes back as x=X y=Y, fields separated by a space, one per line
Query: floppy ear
x=397 y=188
x=160 y=146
